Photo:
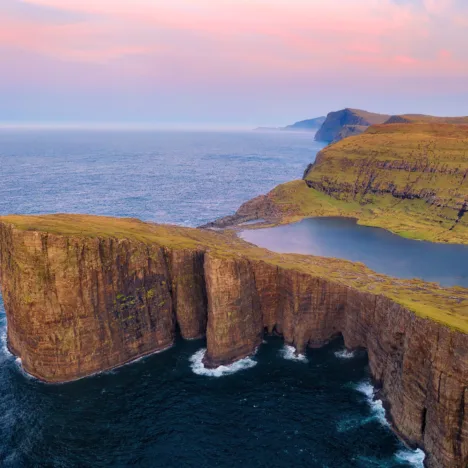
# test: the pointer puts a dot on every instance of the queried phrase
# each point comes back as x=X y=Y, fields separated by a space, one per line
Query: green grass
x=448 y=306
x=411 y=179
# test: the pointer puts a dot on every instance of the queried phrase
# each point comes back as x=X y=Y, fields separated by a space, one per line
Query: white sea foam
x=413 y=457
x=289 y=352
x=20 y=367
x=199 y=368
x=4 y=342
x=377 y=408
x=345 y=354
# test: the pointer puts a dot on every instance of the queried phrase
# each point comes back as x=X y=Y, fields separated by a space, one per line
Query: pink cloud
x=185 y=40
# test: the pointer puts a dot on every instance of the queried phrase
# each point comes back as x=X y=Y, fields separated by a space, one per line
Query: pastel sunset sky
x=237 y=63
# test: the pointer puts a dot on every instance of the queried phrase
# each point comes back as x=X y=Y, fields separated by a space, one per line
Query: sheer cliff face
x=346 y=122
x=80 y=305
x=76 y=307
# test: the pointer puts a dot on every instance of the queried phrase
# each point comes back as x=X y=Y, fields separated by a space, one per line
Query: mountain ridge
x=350 y=122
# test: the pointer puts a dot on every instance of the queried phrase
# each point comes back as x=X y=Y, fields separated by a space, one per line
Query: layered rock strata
x=82 y=302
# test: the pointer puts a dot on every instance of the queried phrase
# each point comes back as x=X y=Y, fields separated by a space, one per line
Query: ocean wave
x=289 y=353
x=345 y=354
x=413 y=457
x=4 y=343
x=378 y=411
x=199 y=368
x=19 y=366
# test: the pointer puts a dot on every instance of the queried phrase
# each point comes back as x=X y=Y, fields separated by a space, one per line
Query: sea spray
x=378 y=411
x=289 y=353
x=345 y=354
x=199 y=368
x=413 y=457
x=4 y=343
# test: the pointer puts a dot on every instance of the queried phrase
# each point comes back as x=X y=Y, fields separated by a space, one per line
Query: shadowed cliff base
x=84 y=294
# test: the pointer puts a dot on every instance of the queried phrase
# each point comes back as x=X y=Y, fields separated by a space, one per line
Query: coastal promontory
x=84 y=294
x=408 y=178
x=346 y=122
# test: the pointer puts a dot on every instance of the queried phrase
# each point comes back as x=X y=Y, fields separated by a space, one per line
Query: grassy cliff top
x=421 y=118
x=409 y=178
x=79 y=225
x=448 y=306
x=371 y=117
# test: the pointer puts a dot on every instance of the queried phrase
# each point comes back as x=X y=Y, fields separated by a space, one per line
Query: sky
x=229 y=63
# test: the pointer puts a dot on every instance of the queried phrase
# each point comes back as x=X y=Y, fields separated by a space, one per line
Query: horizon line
x=123 y=126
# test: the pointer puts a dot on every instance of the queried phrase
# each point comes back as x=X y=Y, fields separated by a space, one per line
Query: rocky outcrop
x=261 y=207
x=347 y=122
x=79 y=303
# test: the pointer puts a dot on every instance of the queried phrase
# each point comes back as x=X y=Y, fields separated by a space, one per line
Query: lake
x=380 y=250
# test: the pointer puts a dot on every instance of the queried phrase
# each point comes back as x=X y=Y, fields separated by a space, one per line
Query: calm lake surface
x=380 y=250
x=272 y=410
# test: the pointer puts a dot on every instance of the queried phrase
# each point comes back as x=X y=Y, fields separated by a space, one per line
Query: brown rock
x=234 y=320
x=80 y=304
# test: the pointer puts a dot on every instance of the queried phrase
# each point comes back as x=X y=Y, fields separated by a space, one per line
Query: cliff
x=350 y=122
x=344 y=122
x=84 y=294
x=410 y=179
x=417 y=172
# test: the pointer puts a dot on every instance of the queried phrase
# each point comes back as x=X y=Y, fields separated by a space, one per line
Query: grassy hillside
x=421 y=118
x=411 y=179
x=428 y=161
x=448 y=306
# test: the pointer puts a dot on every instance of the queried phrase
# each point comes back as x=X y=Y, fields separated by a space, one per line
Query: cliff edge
x=84 y=294
x=350 y=122
x=345 y=122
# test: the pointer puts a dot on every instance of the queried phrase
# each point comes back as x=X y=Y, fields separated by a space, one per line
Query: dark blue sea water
x=271 y=410
x=380 y=250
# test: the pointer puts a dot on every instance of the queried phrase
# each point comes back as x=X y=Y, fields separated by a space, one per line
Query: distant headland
x=309 y=125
